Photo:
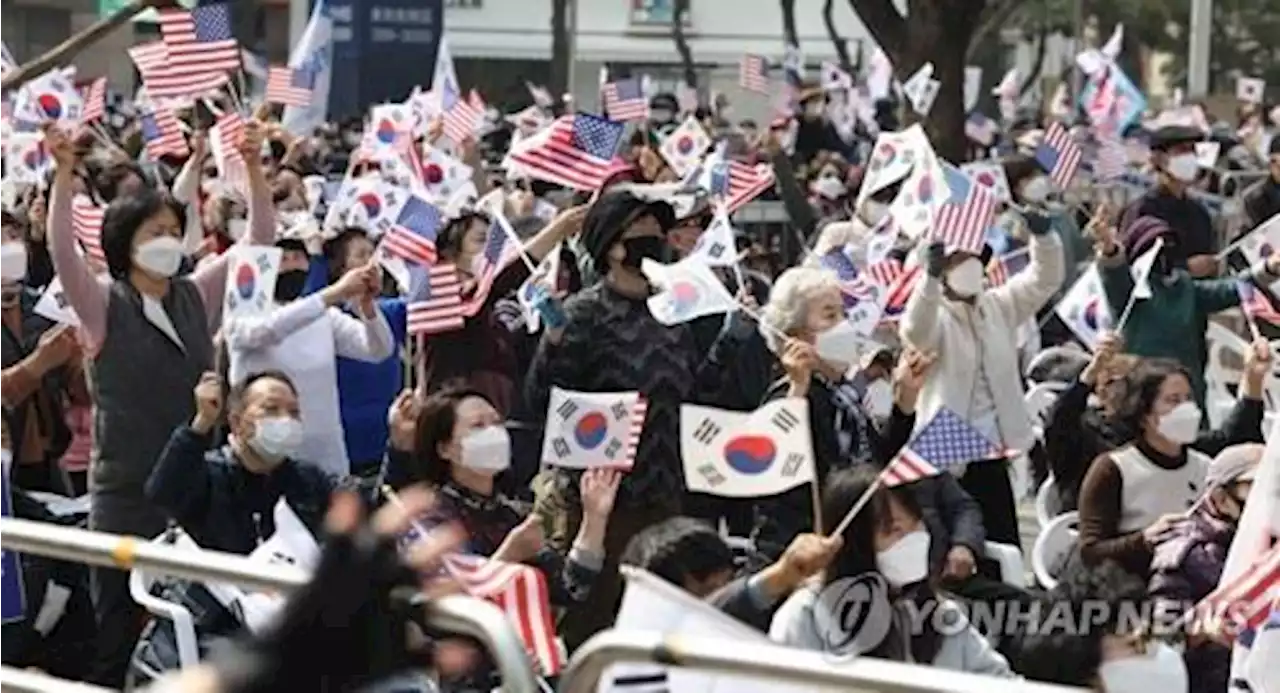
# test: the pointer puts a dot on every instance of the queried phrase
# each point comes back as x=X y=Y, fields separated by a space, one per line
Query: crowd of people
x=154 y=393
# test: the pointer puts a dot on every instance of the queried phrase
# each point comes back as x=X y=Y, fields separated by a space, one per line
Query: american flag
x=638 y=414
x=200 y=40
x=1000 y=269
x=86 y=221
x=1112 y=158
x=149 y=57
x=884 y=272
x=947 y=440
x=853 y=287
x=624 y=100
x=290 y=86
x=165 y=81
x=225 y=139
x=95 y=100
x=1255 y=303
x=1059 y=155
x=576 y=151
x=500 y=249
x=739 y=183
x=161 y=134
x=413 y=236
x=900 y=292
x=441 y=309
x=462 y=121
x=963 y=220
x=521 y=592
x=752 y=73
x=1249 y=596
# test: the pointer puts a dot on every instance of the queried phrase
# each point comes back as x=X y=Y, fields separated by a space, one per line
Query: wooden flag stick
x=63 y=52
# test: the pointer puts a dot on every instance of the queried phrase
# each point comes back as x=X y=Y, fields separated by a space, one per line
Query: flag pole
x=857 y=507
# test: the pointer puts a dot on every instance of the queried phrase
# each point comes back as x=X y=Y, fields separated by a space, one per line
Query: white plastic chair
x=1053 y=543
x=1046 y=497
x=1012 y=571
x=1222 y=370
x=742 y=547
x=184 y=628
x=1038 y=401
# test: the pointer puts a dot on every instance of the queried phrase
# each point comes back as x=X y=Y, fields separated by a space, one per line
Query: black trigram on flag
x=791 y=466
x=711 y=474
x=715 y=250
x=561 y=447
x=60 y=298
x=567 y=409
x=620 y=411
x=785 y=420
x=707 y=431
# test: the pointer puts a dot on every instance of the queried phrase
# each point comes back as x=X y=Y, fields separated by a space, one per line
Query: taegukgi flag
x=747 y=455
x=593 y=429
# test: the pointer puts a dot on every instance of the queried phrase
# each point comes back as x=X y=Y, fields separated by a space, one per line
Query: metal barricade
x=464 y=615
x=808 y=669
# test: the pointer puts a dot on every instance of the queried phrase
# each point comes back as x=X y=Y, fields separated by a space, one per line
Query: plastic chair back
x=1055 y=541
x=183 y=622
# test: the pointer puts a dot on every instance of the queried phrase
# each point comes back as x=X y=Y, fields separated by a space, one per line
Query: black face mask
x=644 y=247
x=289 y=285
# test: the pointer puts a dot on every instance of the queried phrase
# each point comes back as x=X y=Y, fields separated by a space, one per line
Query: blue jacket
x=224 y=506
x=366 y=390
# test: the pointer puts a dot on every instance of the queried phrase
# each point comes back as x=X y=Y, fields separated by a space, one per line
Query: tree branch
x=886 y=26
x=63 y=52
x=996 y=16
x=680 y=11
x=1033 y=74
x=841 y=45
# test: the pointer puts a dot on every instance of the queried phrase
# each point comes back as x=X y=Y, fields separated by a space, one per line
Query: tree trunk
x=789 y=23
x=939 y=32
x=681 y=10
x=558 y=81
x=841 y=45
x=65 y=51
x=1033 y=75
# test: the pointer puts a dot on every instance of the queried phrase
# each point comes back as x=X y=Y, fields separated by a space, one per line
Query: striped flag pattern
x=161 y=134
x=441 y=309
x=95 y=100
x=200 y=40
x=164 y=81
x=1059 y=155
x=946 y=441
x=86 y=222
x=624 y=100
x=963 y=220
x=739 y=183
x=752 y=73
x=852 y=286
x=638 y=414
x=1248 y=597
x=576 y=151
x=884 y=272
x=463 y=120
x=290 y=86
x=1255 y=303
x=413 y=236
x=500 y=249
x=521 y=592
x=149 y=57
x=900 y=292
x=225 y=139
x=1000 y=269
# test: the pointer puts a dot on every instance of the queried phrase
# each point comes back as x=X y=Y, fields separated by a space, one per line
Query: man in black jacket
x=1262 y=200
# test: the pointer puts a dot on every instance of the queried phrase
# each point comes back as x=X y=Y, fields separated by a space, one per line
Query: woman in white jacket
x=974 y=332
x=302 y=337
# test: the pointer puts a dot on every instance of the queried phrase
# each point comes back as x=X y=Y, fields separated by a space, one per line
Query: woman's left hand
x=1257 y=366
x=251 y=146
x=909 y=377
x=599 y=489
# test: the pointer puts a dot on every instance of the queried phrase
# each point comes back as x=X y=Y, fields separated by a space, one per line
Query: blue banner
x=381 y=50
x=11 y=589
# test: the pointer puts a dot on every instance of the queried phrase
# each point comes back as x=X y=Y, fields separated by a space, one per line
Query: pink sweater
x=79 y=419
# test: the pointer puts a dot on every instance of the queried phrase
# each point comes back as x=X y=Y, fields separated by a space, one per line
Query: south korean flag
x=593 y=429
x=746 y=455
x=716 y=247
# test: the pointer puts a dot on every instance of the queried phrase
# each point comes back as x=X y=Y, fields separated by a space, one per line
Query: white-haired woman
x=816 y=354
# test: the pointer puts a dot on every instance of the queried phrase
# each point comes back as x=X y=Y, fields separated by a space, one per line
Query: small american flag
x=86 y=221
x=884 y=272
x=165 y=81
x=225 y=139
x=624 y=100
x=290 y=86
x=161 y=134
x=95 y=100
x=962 y=221
x=752 y=73
x=900 y=292
x=200 y=40
x=500 y=249
x=853 y=287
x=576 y=151
x=413 y=236
x=1248 y=597
x=739 y=183
x=521 y=592
x=1059 y=155
x=1255 y=303
x=149 y=57
x=463 y=120
x=441 y=309
x=1000 y=269
x=947 y=440
x=1112 y=158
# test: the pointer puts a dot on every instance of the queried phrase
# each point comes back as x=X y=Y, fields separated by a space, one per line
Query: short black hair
x=235 y=398
x=679 y=548
x=335 y=249
x=123 y=218
x=107 y=182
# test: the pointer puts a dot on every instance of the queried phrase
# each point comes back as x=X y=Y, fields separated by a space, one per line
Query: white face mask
x=487 y=449
x=907 y=561
x=878 y=399
x=160 y=256
x=236 y=227
x=839 y=345
x=1037 y=189
x=830 y=187
x=276 y=438
x=13 y=262
x=1160 y=669
x=1182 y=424
x=874 y=212
x=967 y=278
x=1184 y=167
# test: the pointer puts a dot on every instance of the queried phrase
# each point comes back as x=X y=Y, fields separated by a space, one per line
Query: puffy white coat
x=961 y=333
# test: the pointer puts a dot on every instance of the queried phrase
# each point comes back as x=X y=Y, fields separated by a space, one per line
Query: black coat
x=48 y=412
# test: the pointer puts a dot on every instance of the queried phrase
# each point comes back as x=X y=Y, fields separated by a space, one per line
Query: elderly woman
x=804 y=324
x=974 y=331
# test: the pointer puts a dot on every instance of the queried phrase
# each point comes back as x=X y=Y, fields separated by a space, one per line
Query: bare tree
x=840 y=43
x=680 y=11
x=789 y=33
x=558 y=82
